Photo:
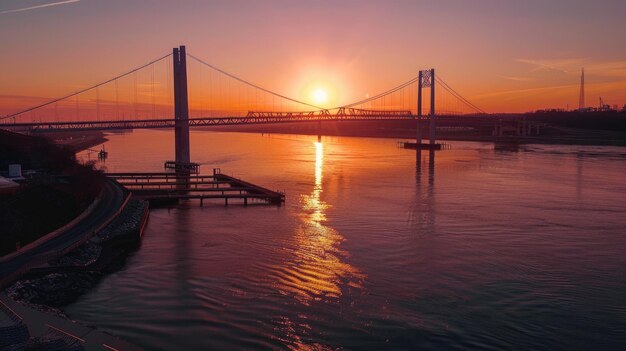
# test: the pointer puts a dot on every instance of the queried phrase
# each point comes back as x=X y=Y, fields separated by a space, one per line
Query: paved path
x=112 y=198
x=39 y=323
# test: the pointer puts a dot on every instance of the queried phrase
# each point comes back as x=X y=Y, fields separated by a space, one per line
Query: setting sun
x=320 y=96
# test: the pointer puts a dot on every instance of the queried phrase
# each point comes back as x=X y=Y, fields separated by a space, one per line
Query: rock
x=78 y=271
x=56 y=289
x=44 y=344
x=82 y=256
x=126 y=226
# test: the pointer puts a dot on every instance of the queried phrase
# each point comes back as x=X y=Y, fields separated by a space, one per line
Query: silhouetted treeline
x=57 y=189
x=613 y=121
x=33 y=153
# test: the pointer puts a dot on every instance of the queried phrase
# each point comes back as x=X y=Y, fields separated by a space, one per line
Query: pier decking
x=168 y=186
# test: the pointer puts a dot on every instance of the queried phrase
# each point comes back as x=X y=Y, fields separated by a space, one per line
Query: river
x=376 y=247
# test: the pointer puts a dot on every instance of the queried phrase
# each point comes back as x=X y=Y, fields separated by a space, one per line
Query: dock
x=166 y=187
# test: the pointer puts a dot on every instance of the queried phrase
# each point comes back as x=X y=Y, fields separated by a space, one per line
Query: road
x=112 y=198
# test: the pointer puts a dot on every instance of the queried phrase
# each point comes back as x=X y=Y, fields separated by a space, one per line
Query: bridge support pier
x=181 y=109
x=418 y=138
x=426 y=79
x=431 y=126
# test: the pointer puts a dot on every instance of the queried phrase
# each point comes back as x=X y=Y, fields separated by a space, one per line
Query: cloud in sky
x=523 y=93
x=609 y=68
x=519 y=79
x=56 y=3
x=564 y=65
x=612 y=69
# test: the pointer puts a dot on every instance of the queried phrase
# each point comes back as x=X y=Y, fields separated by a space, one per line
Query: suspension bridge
x=180 y=90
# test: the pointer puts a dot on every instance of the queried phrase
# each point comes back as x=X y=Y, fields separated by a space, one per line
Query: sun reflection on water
x=317 y=271
x=312 y=202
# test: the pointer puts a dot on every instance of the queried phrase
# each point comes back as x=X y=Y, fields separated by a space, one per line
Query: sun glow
x=320 y=96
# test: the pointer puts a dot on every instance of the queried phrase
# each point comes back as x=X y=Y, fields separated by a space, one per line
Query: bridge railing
x=253 y=117
x=341 y=112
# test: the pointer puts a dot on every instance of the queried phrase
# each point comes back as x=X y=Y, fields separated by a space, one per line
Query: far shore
x=406 y=130
x=599 y=128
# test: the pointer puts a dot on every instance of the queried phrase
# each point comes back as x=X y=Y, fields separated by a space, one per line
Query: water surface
x=376 y=247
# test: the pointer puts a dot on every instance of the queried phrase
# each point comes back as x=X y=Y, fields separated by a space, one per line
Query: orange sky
x=501 y=55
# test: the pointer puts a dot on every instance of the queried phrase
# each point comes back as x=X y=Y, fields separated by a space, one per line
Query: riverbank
x=556 y=131
x=78 y=141
x=49 y=287
x=61 y=281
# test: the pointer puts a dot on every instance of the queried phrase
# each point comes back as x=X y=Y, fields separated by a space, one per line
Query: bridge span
x=252 y=118
x=234 y=101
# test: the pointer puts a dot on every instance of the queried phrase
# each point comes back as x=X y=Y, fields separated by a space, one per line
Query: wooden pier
x=166 y=187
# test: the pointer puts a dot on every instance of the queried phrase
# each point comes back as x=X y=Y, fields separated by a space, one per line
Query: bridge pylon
x=426 y=79
x=181 y=110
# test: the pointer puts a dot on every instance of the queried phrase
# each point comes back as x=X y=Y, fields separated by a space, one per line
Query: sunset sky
x=502 y=55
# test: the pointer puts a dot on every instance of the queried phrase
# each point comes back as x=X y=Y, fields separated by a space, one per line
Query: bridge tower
x=426 y=79
x=181 y=110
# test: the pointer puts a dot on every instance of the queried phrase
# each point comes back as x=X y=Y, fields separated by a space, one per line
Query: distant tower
x=581 y=100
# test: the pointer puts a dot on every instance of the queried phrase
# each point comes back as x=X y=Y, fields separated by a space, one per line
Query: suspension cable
x=252 y=84
x=390 y=91
x=459 y=96
x=86 y=89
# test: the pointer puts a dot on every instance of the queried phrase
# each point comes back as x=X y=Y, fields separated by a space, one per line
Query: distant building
x=550 y=110
x=15 y=171
x=586 y=109
x=603 y=107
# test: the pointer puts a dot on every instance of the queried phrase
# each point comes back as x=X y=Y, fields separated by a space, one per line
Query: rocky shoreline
x=63 y=280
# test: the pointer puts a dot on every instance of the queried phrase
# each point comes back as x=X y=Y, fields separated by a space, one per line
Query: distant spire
x=581 y=100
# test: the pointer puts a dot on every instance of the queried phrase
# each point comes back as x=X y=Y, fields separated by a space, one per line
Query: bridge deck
x=43 y=127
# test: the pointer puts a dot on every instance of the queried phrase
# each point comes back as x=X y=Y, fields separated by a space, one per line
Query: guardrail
x=70 y=340
x=12 y=334
x=14 y=316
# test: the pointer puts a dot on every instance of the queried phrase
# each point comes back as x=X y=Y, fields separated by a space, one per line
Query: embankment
x=44 y=290
x=61 y=281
